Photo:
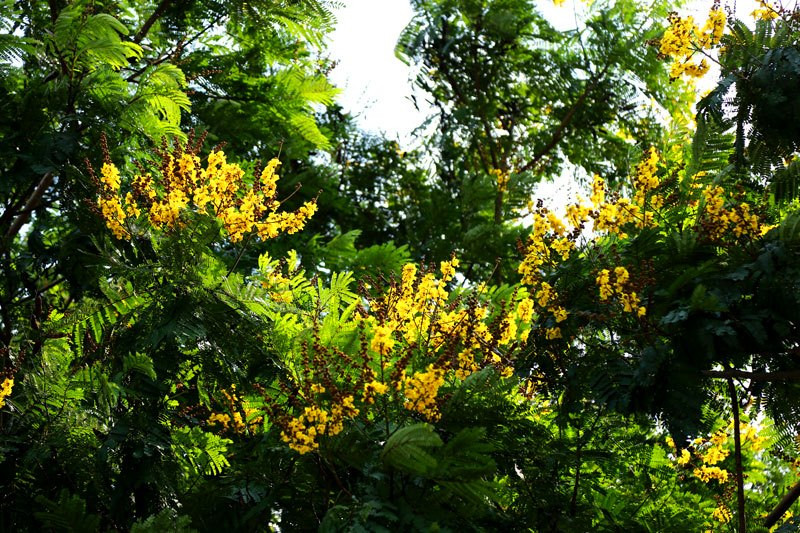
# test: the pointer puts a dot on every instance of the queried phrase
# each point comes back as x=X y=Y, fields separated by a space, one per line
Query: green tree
x=171 y=364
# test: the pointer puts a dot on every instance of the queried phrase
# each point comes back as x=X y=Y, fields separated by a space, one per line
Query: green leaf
x=140 y=363
x=405 y=449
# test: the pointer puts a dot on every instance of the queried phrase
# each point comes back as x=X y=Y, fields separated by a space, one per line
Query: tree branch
x=33 y=202
x=782 y=506
x=157 y=14
x=781 y=375
x=175 y=53
x=566 y=121
x=737 y=441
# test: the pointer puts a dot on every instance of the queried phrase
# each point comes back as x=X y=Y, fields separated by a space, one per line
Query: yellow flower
x=525 y=310
x=5 y=390
x=598 y=191
x=683 y=38
x=603 y=280
x=421 y=390
x=382 y=341
x=684 y=458
x=552 y=333
x=714 y=455
x=372 y=389
x=114 y=215
x=110 y=176
x=220 y=418
x=448 y=270
x=545 y=294
x=218 y=191
x=765 y=12
x=577 y=214
x=563 y=247
x=715 y=26
x=269 y=178
x=556 y=224
x=502 y=178
x=621 y=277
x=709 y=473
x=630 y=302
x=722 y=514
x=508 y=330
x=559 y=313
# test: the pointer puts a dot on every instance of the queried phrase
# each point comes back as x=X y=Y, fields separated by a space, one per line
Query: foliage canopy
x=191 y=340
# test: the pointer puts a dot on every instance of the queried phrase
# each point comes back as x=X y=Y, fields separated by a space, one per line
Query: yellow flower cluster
x=719 y=221
x=465 y=363
x=421 y=390
x=711 y=473
x=713 y=451
x=715 y=455
x=645 y=179
x=448 y=269
x=709 y=452
x=508 y=330
x=235 y=421
x=5 y=390
x=414 y=311
x=765 y=11
x=372 y=389
x=683 y=38
x=684 y=458
x=382 y=341
x=302 y=433
x=722 y=514
x=552 y=333
x=185 y=186
x=278 y=285
x=544 y=244
x=749 y=436
x=619 y=288
x=611 y=217
x=525 y=310
x=110 y=206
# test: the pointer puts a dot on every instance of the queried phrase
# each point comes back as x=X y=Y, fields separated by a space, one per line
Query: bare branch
x=34 y=200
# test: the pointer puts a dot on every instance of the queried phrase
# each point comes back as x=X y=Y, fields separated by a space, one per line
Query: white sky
x=375 y=84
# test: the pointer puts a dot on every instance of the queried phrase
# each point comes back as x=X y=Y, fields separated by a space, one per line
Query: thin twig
x=239 y=256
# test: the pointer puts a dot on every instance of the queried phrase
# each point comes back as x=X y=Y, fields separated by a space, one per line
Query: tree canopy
x=222 y=305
